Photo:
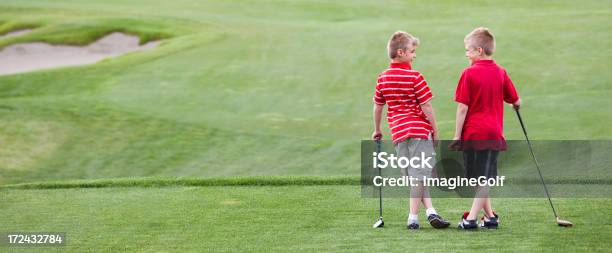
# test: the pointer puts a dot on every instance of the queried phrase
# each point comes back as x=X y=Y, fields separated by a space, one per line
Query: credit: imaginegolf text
x=450 y=183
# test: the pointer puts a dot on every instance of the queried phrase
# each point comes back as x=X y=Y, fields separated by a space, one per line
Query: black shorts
x=478 y=163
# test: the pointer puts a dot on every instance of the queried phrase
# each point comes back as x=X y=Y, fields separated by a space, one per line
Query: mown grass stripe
x=251 y=181
x=181 y=181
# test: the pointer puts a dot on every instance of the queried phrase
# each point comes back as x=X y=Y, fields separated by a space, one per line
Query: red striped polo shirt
x=404 y=90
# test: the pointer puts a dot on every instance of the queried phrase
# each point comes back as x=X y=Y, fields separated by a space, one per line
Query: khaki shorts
x=410 y=148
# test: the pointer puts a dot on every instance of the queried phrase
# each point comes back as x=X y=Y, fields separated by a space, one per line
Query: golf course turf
x=138 y=153
x=287 y=218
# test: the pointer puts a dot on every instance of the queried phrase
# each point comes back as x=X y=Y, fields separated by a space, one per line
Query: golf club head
x=564 y=223
x=379 y=223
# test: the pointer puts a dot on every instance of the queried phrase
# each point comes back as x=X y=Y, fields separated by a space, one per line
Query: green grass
x=287 y=218
x=150 y=151
x=231 y=85
x=211 y=181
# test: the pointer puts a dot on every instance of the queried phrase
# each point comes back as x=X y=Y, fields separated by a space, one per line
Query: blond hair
x=400 y=40
x=483 y=38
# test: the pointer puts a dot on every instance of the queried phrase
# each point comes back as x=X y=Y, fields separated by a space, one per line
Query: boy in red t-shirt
x=411 y=120
x=481 y=92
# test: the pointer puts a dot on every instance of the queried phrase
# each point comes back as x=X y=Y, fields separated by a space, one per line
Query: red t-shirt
x=404 y=90
x=484 y=87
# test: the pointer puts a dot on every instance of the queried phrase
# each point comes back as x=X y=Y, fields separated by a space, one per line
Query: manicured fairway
x=276 y=87
x=287 y=218
x=279 y=88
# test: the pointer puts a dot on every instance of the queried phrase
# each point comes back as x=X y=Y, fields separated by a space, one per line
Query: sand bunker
x=26 y=57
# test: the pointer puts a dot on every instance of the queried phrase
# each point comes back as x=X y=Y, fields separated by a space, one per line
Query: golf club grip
x=518 y=114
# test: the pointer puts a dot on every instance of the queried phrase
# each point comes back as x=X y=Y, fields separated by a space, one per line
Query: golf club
x=379 y=223
x=560 y=222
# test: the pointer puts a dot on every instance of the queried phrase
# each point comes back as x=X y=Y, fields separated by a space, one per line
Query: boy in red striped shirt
x=411 y=120
x=481 y=92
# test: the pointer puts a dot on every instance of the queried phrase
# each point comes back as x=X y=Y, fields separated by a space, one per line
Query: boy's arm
x=461 y=113
x=424 y=96
x=431 y=116
x=377 y=135
x=462 y=97
x=510 y=95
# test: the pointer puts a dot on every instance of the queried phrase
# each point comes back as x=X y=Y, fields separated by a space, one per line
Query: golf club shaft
x=378 y=148
x=518 y=114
